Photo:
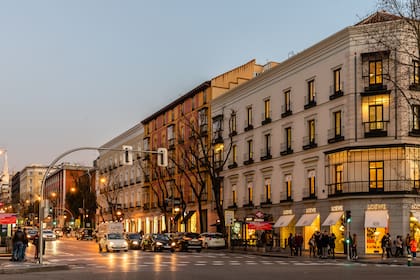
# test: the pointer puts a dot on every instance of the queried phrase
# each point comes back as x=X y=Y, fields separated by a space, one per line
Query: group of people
x=387 y=243
x=20 y=242
x=321 y=245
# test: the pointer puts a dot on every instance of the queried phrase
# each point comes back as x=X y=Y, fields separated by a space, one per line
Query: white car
x=213 y=240
x=48 y=234
x=113 y=242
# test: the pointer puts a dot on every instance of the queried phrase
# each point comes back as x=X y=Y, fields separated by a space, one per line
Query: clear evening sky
x=80 y=72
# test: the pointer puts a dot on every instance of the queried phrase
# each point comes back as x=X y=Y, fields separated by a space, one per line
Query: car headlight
x=111 y=243
x=159 y=243
x=135 y=242
x=125 y=243
x=173 y=244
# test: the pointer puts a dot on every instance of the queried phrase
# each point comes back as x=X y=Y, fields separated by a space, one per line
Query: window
x=234 y=197
x=232 y=124
x=234 y=153
x=266 y=154
x=337 y=81
x=288 y=133
x=376 y=117
x=267 y=110
x=311 y=183
x=267 y=189
x=250 y=193
x=311 y=132
x=376 y=175
x=288 y=187
x=171 y=135
x=249 y=118
x=311 y=91
x=416 y=117
x=287 y=101
x=337 y=123
x=250 y=149
x=338 y=178
x=375 y=72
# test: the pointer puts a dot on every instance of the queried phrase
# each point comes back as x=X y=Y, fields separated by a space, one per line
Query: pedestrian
x=25 y=245
x=318 y=243
x=298 y=244
x=413 y=247
x=17 y=240
x=384 y=245
x=354 y=255
x=332 y=244
x=399 y=246
x=290 y=243
x=312 y=246
x=325 y=241
x=36 y=245
x=407 y=244
x=388 y=246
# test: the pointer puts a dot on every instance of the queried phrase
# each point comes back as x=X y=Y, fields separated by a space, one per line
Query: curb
x=32 y=268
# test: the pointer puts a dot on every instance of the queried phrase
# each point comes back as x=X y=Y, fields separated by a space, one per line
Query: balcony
x=286 y=149
x=414 y=132
x=265 y=154
x=309 y=143
x=232 y=165
x=266 y=118
x=248 y=158
x=286 y=110
x=218 y=137
x=363 y=188
x=309 y=102
x=336 y=94
x=265 y=201
x=233 y=206
x=249 y=127
x=376 y=129
x=233 y=133
x=248 y=204
x=334 y=136
x=374 y=89
x=414 y=86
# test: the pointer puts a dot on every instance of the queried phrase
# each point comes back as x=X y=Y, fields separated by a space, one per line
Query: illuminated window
x=337 y=123
x=376 y=175
x=337 y=81
x=311 y=183
x=287 y=105
x=416 y=117
x=288 y=187
x=249 y=116
x=376 y=117
x=311 y=131
x=339 y=178
x=311 y=91
x=267 y=113
x=375 y=72
x=416 y=69
x=288 y=133
x=267 y=187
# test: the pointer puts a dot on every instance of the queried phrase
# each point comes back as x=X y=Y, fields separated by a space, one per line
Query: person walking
x=354 y=255
x=298 y=244
x=17 y=240
x=291 y=244
x=332 y=244
x=312 y=246
x=407 y=244
x=325 y=241
x=413 y=247
x=25 y=245
x=384 y=245
x=388 y=246
x=399 y=246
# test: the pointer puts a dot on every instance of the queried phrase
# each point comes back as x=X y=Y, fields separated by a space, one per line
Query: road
x=86 y=262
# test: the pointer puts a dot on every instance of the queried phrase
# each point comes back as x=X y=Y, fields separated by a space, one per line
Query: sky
x=79 y=73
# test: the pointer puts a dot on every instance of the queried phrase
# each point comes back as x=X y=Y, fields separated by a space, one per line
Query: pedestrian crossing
x=177 y=262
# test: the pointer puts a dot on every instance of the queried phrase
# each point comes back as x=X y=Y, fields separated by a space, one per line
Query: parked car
x=155 y=242
x=184 y=241
x=134 y=240
x=113 y=242
x=48 y=234
x=213 y=240
x=84 y=234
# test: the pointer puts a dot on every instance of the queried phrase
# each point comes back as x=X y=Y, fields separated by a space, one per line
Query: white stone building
x=325 y=132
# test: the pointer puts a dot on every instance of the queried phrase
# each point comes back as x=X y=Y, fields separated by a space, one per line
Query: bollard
x=409 y=260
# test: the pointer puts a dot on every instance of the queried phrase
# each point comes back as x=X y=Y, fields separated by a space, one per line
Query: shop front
x=310 y=223
x=7 y=223
x=376 y=226
x=334 y=222
x=286 y=227
x=415 y=222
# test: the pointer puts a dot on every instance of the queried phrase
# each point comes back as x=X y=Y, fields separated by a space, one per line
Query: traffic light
x=162 y=157
x=50 y=210
x=348 y=217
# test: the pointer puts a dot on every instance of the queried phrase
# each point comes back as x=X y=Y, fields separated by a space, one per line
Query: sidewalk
x=9 y=267
x=284 y=253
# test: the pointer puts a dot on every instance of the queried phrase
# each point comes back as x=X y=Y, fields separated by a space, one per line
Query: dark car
x=84 y=234
x=134 y=240
x=155 y=242
x=184 y=241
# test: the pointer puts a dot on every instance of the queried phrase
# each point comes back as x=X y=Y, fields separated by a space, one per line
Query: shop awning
x=376 y=219
x=416 y=214
x=333 y=218
x=284 y=221
x=260 y=225
x=7 y=218
x=306 y=220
